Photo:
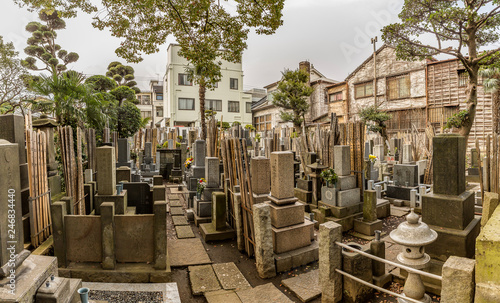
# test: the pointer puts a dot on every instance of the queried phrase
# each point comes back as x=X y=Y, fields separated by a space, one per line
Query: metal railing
x=407 y=268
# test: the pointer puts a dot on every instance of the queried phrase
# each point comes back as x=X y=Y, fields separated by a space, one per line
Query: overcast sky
x=334 y=35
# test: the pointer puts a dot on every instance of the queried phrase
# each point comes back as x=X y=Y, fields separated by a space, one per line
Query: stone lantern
x=316 y=169
x=413 y=235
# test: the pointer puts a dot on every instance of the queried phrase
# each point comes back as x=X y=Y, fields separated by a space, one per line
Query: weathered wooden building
x=337 y=101
x=266 y=116
x=399 y=89
x=446 y=95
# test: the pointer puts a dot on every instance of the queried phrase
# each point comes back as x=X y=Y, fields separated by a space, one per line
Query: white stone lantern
x=413 y=235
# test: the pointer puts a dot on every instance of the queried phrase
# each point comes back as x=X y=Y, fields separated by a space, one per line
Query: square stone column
x=160 y=228
x=448 y=164
x=264 y=255
x=212 y=172
x=342 y=160
x=158 y=193
x=106 y=164
x=219 y=210
x=458 y=280
x=11 y=223
x=199 y=152
x=57 y=212
x=108 y=235
x=260 y=171
x=282 y=176
x=330 y=258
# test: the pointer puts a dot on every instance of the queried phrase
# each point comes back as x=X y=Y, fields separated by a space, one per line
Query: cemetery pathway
x=226 y=252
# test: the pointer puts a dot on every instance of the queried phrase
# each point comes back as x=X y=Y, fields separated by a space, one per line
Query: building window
x=262 y=123
x=159 y=111
x=363 y=90
x=233 y=83
x=338 y=96
x=184 y=80
x=186 y=103
x=463 y=77
x=146 y=114
x=215 y=105
x=249 y=107
x=398 y=87
x=159 y=97
x=233 y=106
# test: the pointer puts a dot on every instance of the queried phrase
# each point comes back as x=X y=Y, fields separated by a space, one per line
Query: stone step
x=230 y=277
x=305 y=286
x=176 y=211
x=200 y=220
x=263 y=293
x=292 y=237
x=222 y=296
x=184 y=231
x=179 y=220
x=203 y=279
x=296 y=258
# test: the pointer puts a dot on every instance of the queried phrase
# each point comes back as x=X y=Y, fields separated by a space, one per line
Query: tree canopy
x=458 y=28
x=12 y=78
x=123 y=75
x=292 y=95
x=42 y=45
x=207 y=31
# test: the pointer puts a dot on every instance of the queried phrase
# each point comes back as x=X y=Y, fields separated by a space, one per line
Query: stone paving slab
x=175 y=190
x=202 y=279
x=305 y=286
x=399 y=211
x=184 y=231
x=230 y=277
x=175 y=203
x=176 y=211
x=263 y=293
x=177 y=252
x=179 y=220
x=222 y=296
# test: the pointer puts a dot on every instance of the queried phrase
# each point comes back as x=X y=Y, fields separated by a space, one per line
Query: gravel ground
x=127 y=296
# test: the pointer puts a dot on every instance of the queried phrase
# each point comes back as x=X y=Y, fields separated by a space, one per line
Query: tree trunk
x=495 y=98
x=383 y=134
x=471 y=102
x=202 y=111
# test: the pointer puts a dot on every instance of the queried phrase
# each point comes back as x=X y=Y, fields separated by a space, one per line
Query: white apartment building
x=145 y=104
x=181 y=98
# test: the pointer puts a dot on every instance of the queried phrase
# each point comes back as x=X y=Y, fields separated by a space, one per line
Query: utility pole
x=374 y=42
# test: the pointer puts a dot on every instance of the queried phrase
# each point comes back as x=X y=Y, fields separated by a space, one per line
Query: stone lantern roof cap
x=317 y=165
x=413 y=232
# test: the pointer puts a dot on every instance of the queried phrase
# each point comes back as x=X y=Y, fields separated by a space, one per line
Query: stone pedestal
x=120 y=202
x=449 y=209
x=218 y=229
x=123 y=173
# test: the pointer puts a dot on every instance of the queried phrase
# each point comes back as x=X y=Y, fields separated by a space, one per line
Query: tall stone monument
x=260 y=172
x=449 y=208
x=289 y=229
x=106 y=181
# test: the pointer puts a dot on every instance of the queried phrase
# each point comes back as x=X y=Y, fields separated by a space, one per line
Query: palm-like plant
x=491 y=83
x=68 y=98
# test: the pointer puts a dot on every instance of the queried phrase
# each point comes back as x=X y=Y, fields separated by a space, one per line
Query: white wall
x=173 y=91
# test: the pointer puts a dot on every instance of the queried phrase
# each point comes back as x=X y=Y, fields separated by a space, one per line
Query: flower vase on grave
x=198 y=195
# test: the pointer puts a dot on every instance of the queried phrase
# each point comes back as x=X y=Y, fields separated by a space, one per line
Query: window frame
x=184 y=77
x=231 y=83
x=365 y=84
x=179 y=103
x=406 y=78
x=248 y=107
x=217 y=101
x=229 y=106
x=341 y=93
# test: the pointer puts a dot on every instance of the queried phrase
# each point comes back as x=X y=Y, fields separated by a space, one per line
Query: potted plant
x=330 y=177
x=202 y=183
